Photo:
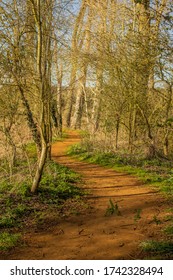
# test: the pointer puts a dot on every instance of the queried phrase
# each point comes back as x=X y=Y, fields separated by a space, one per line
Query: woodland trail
x=93 y=235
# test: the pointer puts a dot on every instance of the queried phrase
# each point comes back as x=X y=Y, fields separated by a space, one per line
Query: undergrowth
x=58 y=184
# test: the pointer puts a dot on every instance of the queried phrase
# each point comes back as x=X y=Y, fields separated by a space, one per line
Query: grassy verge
x=155 y=172
x=158 y=173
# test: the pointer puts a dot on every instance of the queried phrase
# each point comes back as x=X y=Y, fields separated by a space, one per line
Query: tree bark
x=39 y=170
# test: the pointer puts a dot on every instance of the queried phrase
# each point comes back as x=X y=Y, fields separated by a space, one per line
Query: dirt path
x=93 y=235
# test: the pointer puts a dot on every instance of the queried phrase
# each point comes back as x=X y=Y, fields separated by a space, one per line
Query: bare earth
x=92 y=235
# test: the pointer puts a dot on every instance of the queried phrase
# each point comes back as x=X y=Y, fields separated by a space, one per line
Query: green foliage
x=58 y=183
x=5 y=187
x=137 y=215
x=157 y=246
x=22 y=189
x=9 y=201
x=31 y=149
x=169 y=230
x=54 y=193
x=76 y=149
x=20 y=210
x=112 y=209
x=7 y=221
x=156 y=220
x=12 y=214
x=40 y=217
x=8 y=241
x=57 y=138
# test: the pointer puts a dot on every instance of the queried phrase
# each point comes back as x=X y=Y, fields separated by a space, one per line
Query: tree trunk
x=77 y=118
x=59 y=98
x=39 y=171
x=44 y=60
x=31 y=124
x=166 y=145
x=74 y=60
x=117 y=132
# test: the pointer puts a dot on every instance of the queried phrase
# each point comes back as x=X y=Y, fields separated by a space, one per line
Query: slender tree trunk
x=166 y=144
x=43 y=72
x=167 y=128
x=117 y=132
x=85 y=42
x=59 y=99
x=86 y=106
x=79 y=106
x=96 y=109
x=39 y=171
x=74 y=61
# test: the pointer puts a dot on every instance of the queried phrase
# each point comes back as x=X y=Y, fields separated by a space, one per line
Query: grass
x=112 y=209
x=8 y=241
x=169 y=230
x=137 y=215
x=59 y=182
x=158 y=249
x=156 y=220
x=57 y=185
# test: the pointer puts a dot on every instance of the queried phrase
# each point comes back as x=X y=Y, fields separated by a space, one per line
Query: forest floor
x=122 y=213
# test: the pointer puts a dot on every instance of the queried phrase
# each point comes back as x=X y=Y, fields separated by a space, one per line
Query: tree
x=43 y=23
x=74 y=58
